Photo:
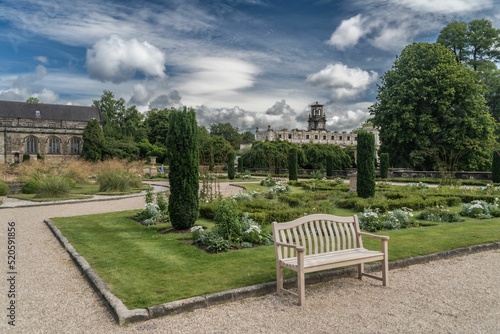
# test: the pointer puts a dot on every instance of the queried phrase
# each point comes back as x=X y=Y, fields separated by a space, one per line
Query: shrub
x=226 y=219
x=439 y=214
x=372 y=220
x=212 y=240
x=4 y=188
x=481 y=209
x=117 y=181
x=50 y=186
x=31 y=186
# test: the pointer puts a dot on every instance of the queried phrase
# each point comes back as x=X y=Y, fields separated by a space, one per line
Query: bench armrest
x=298 y=248
x=371 y=235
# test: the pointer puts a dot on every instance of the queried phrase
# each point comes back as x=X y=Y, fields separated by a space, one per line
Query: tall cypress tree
x=384 y=165
x=230 y=165
x=329 y=165
x=93 y=141
x=292 y=164
x=495 y=168
x=182 y=145
x=365 y=157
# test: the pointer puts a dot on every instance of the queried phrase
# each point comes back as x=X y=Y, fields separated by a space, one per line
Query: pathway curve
x=460 y=295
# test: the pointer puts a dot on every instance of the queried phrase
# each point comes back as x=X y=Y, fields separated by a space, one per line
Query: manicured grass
x=143 y=267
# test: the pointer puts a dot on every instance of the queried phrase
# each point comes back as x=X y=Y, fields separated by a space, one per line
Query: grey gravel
x=459 y=295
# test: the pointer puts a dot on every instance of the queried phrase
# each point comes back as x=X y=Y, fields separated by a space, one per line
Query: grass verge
x=144 y=268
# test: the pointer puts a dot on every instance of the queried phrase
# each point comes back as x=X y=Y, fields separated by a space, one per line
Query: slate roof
x=11 y=109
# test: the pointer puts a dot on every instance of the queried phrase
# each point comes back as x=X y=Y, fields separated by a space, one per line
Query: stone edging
x=125 y=316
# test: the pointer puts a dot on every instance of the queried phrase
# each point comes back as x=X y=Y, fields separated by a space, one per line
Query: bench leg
x=301 y=287
x=279 y=279
x=361 y=270
x=385 y=271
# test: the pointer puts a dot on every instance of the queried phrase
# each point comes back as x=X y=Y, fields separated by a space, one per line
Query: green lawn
x=143 y=267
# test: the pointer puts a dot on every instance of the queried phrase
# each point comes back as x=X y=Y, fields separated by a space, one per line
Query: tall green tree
x=431 y=112
x=230 y=165
x=384 y=165
x=182 y=144
x=292 y=164
x=93 y=141
x=477 y=44
x=495 y=168
x=366 y=157
x=228 y=132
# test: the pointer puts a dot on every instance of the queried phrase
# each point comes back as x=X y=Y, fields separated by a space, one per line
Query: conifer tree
x=365 y=185
x=182 y=145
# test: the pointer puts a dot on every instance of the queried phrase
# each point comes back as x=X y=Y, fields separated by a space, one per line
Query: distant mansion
x=316 y=132
x=48 y=130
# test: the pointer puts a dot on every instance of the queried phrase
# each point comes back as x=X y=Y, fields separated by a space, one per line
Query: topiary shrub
x=230 y=165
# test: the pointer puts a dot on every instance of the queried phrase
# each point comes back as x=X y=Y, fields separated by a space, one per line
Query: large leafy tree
x=182 y=145
x=431 y=112
x=122 y=126
x=228 y=132
x=477 y=44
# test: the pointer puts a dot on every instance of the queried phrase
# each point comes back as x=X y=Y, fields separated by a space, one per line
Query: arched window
x=31 y=145
x=54 y=145
x=75 y=145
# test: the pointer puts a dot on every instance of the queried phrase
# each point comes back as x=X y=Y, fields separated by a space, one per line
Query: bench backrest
x=318 y=233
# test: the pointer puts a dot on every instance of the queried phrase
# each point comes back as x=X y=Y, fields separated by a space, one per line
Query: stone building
x=37 y=129
x=316 y=132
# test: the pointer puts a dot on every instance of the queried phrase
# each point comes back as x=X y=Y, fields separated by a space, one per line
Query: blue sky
x=252 y=63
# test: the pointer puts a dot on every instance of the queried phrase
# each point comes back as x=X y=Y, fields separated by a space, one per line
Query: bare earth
x=460 y=295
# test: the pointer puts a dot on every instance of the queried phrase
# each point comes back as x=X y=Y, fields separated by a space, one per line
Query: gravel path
x=460 y=295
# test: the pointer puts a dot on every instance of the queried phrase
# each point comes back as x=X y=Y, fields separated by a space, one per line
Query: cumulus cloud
x=282 y=109
x=24 y=86
x=343 y=82
x=348 y=33
x=117 y=60
x=170 y=100
x=347 y=120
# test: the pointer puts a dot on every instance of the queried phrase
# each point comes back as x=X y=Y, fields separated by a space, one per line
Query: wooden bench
x=319 y=242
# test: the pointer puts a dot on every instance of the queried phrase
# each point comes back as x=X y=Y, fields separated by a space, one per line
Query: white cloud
x=445 y=6
x=117 y=60
x=348 y=33
x=344 y=82
x=347 y=120
x=218 y=75
x=393 y=38
x=42 y=59
x=47 y=96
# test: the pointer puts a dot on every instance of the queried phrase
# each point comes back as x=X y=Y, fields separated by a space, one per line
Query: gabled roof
x=11 y=109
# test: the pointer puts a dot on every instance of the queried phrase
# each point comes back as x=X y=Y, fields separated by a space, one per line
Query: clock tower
x=317 y=118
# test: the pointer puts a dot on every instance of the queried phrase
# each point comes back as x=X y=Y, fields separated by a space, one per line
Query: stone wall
x=13 y=138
